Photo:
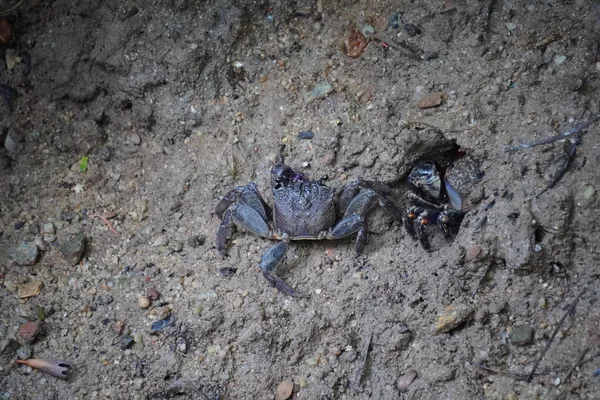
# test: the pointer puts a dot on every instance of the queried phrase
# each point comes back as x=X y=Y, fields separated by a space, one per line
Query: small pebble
x=472 y=253
x=24 y=353
x=320 y=91
x=367 y=29
x=589 y=192
x=431 y=100
x=306 y=135
x=559 y=59
x=152 y=293
x=522 y=335
x=452 y=317
x=48 y=228
x=73 y=248
x=284 y=390
x=29 y=330
x=26 y=254
x=158 y=326
x=119 y=327
x=126 y=342
x=511 y=26
x=30 y=289
x=182 y=345
x=405 y=380
x=135 y=139
x=143 y=302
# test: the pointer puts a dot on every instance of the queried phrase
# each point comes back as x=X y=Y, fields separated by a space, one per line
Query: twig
x=105 y=221
x=363 y=360
x=587 y=360
x=563 y=168
x=577 y=363
x=408 y=49
x=486 y=20
x=11 y=9
x=556 y=138
x=514 y=375
x=568 y=311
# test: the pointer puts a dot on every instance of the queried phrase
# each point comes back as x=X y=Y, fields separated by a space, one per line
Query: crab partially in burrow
x=303 y=209
x=436 y=205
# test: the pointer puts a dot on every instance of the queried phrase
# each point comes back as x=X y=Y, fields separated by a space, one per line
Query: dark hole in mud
x=126 y=105
x=538 y=234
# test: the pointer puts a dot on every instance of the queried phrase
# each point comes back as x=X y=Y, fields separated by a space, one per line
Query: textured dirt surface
x=176 y=102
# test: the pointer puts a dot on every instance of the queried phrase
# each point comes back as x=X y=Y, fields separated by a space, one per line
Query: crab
x=303 y=209
x=429 y=209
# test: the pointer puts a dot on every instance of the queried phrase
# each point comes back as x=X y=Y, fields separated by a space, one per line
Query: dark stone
x=522 y=335
x=158 y=326
x=25 y=254
x=103 y=299
x=196 y=241
x=126 y=342
x=73 y=248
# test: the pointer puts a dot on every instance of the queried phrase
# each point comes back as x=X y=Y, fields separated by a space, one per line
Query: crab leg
x=348 y=194
x=244 y=216
x=270 y=260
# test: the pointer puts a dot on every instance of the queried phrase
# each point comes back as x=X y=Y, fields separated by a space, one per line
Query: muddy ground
x=176 y=102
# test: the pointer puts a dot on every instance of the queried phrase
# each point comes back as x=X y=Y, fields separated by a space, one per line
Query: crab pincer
x=57 y=368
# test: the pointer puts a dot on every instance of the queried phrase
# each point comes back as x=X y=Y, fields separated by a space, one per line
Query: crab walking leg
x=244 y=216
x=348 y=194
x=270 y=260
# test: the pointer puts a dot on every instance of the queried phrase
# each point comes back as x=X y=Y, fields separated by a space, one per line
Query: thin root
x=570 y=308
x=556 y=138
x=11 y=9
x=105 y=221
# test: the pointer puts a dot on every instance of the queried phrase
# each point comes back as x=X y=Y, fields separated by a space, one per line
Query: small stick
x=363 y=360
x=577 y=363
x=556 y=138
x=486 y=21
x=514 y=375
x=11 y=9
x=405 y=48
x=568 y=311
x=105 y=221
x=563 y=168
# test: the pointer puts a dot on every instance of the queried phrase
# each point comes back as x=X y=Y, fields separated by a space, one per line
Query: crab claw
x=57 y=368
x=244 y=216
